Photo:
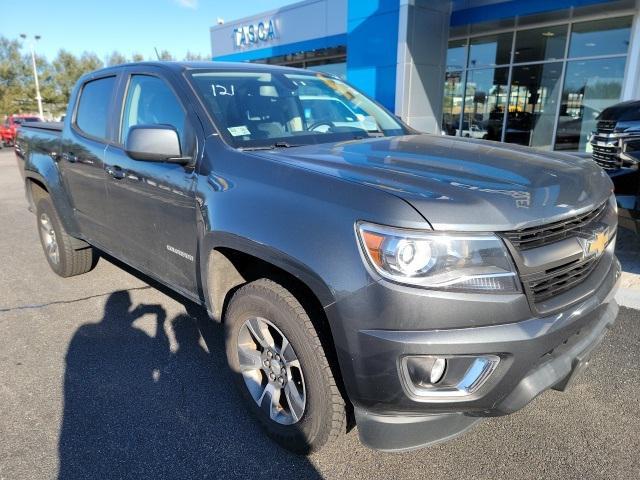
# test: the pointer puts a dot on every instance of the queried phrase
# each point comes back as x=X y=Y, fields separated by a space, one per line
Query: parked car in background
x=616 y=125
x=10 y=126
x=365 y=273
x=616 y=148
x=473 y=131
x=329 y=112
x=626 y=181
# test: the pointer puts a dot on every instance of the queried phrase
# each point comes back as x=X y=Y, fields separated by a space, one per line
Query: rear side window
x=93 y=107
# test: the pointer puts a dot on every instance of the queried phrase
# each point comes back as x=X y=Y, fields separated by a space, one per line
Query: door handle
x=69 y=157
x=116 y=172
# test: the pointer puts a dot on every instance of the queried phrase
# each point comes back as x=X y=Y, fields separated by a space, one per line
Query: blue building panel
x=513 y=8
x=372 y=45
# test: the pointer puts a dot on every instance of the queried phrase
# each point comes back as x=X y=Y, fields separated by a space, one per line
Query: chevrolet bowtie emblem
x=598 y=244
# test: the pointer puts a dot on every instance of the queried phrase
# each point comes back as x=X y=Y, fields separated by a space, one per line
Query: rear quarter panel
x=37 y=154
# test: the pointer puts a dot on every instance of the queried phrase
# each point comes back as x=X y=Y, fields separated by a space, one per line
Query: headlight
x=458 y=262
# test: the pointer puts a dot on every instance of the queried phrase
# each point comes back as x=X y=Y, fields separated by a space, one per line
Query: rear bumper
x=536 y=354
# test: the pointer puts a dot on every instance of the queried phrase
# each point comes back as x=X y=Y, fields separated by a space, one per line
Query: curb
x=628 y=297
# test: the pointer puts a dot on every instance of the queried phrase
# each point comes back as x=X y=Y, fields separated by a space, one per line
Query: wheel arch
x=231 y=261
x=44 y=181
x=227 y=268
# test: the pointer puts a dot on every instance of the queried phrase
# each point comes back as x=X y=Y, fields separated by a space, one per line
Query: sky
x=128 y=26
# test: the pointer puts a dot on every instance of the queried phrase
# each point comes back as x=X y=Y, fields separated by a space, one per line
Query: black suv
x=616 y=148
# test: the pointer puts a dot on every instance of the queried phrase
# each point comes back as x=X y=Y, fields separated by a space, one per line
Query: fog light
x=434 y=376
x=426 y=370
x=437 y=371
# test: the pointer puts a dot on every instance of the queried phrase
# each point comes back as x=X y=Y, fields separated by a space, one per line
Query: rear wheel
x=281 y=367
x=67 y=256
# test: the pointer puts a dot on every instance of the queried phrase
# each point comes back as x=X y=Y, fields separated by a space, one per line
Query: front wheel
x=281 y=367
x=67 y=256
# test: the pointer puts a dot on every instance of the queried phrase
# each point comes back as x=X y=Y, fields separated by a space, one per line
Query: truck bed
x=51 y=126
x=37 y=139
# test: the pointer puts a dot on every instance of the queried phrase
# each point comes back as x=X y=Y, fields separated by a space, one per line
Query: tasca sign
x=246 y=35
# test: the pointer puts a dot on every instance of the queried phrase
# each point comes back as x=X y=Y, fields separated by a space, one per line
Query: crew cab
x=409 y=284
x=10 y=126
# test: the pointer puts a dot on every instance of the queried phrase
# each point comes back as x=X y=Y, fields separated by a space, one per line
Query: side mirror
x=155 y=143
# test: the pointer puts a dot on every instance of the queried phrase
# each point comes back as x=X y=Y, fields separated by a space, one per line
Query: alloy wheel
x=271 y=371
x=49 y=238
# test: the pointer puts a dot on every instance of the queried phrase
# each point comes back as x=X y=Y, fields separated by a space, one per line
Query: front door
x=152 y=207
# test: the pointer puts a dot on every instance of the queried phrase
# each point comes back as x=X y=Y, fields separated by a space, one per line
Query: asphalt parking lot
x=106 y=376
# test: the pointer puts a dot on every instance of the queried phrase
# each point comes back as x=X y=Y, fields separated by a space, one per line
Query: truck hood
x=622 y=112
x=463 y=184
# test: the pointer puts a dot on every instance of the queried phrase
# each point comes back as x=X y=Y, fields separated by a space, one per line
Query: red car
x=10 y=126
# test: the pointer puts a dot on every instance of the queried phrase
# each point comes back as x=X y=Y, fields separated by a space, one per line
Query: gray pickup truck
x=366 y=274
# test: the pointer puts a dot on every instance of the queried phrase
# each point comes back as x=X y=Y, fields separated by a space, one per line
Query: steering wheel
x=315 y=125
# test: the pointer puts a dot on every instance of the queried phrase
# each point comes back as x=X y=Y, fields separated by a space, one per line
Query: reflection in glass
x=457 y=55
x=485 y=100
x=537 y=44
x=338 y=69
x=589 y=87
x=600 y=37
x=452 y=103
x=532 y=104
x=490 y=50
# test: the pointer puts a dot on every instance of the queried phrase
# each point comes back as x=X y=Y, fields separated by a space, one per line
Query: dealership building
x=531 y=72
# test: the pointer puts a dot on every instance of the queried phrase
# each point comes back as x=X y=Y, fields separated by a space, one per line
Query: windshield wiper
x=270 y=147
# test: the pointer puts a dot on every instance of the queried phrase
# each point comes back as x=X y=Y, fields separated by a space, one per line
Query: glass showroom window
x=452 y=102
x=533 y=104
x=490 y=50
x=539 y=44
x=590 y=86
x=454 y=86
x=484 y=103
x=546 y=87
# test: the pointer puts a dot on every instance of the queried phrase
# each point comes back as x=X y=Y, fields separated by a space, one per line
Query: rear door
x=84 y=142
x=152 y=205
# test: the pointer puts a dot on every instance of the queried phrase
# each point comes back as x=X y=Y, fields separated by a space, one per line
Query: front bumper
x=536 y=354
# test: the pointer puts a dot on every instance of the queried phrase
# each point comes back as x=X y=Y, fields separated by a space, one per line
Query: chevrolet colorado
x=365 y=273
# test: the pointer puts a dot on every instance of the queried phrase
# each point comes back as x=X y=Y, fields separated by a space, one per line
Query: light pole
x=35 y=70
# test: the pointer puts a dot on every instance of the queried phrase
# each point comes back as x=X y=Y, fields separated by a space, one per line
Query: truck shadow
x=134 y=408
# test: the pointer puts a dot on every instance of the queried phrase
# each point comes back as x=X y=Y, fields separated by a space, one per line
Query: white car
x=474 y=132
x=323 y=111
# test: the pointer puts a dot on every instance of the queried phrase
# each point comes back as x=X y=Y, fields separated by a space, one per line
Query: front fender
x=299 y=220
x=225 y=240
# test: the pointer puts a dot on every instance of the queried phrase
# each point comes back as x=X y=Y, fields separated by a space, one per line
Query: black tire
x=324 y=417
x=74 y=256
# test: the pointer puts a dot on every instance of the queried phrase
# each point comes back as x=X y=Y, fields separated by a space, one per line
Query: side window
x=150 y=101
x=93 y=107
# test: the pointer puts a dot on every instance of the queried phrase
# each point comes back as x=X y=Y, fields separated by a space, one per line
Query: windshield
x=273 y=109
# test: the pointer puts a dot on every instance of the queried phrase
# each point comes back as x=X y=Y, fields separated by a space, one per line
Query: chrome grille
x=560 y=279
x=607 y=157
x=606 y=126
x=552 y=232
